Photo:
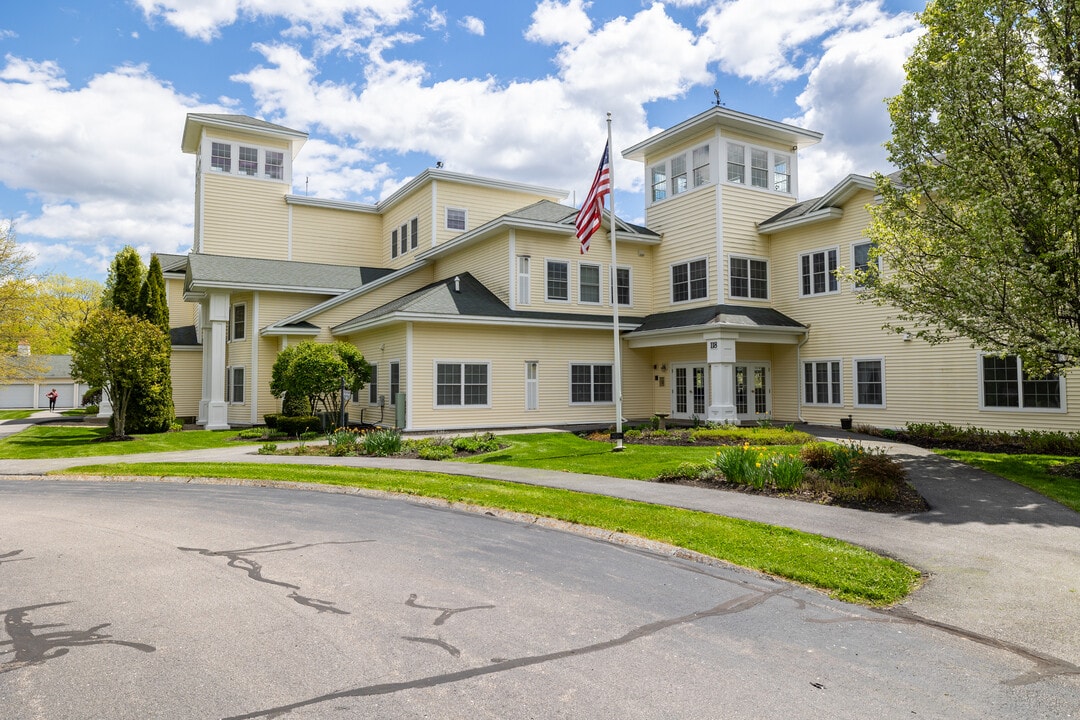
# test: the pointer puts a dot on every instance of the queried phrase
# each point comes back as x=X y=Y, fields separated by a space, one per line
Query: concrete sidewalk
x=1002 y=562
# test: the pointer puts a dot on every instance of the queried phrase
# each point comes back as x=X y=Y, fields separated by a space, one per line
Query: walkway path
x=1002 y=562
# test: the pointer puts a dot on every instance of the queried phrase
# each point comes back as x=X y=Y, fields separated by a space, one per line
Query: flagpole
x=614 y=274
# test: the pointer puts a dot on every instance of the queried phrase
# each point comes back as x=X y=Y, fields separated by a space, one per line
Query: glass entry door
x=753 y=400
x=690 y=392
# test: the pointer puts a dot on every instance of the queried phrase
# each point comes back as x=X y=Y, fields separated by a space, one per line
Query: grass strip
x=52 y=441
x=843 y=570
x=1027 y=470
x=15 y=414
x=566 y=452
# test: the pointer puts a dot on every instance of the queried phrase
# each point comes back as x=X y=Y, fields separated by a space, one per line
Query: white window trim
x=811 y=253
x=234 y=160
x=802 y=381
x=615 y=281
x=671 y=281
x=669 y=178
x=229 y=385
x=770 y=182
x=855 y=286
x=592 y=384
x=983 y=407
x=373 y=386
x=569 y=281
x=233 y=324
x=768 y=278
x=446 y=218
x=461 y=405
x=855 y=381
x=599 y=280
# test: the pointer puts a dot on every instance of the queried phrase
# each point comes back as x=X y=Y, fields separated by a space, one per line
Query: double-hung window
x=588 y=283
x=678 y=174
x=822 y=383
x=414 y=233
x=234 y=385
x=690 y=281
x=455 y=218
x=863 y=263
x=819 y=272
x=373 y=385
x=591 y=384
x=869 y=382
x=275 y=164
x=558 y=280
x=461 y=384
x=749 y=278
x=238 y=322
x=248 y=161
x=781 y=173
x=395 y=381
x=221 y=156
x=759 y=167
x=393 y=243
x=404 y=235
x=736 y=163
x=659 y=182
x=701 y=165
x=1005 y=385
x=622 y=285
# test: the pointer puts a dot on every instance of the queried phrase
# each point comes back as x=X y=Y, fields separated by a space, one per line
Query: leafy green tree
x=138 y=293
x=314 y=371
x=124 y=283
x=980 y=231
x=16 y=298
x=117 y=352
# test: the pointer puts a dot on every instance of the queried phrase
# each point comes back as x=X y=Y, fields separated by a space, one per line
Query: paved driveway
x=136 y=600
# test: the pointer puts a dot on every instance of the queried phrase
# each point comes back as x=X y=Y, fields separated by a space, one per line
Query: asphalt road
x=133 y=600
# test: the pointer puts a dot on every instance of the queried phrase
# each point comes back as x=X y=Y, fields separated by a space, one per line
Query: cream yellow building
x=472 y=302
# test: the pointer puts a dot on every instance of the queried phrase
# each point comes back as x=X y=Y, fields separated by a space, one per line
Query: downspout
x=798 y=375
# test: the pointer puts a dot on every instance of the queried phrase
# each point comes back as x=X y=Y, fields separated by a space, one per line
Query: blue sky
x=94 y=96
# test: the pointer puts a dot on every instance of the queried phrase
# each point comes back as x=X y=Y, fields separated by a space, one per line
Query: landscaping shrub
x=298 y=425
x=734 y=434
x=271 y=420
x=786 y=472
x=268 y=449
x=382 y=443
x=686 y=471
x=435 y=451
x=944 y=435
x=251 y=433
x=477 y=443
x=818 y=456
x=343 y=441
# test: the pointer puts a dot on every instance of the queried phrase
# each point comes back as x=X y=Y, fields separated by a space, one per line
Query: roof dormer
x=242 y=146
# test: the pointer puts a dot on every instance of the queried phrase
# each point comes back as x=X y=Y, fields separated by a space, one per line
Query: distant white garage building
x=44 y=372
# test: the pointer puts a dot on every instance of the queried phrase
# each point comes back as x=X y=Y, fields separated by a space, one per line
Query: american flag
x=592 y=210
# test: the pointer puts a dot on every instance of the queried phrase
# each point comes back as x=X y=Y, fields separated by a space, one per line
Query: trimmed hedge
x=292 y=424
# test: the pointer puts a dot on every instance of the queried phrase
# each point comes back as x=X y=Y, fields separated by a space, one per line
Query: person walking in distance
x=52 y=395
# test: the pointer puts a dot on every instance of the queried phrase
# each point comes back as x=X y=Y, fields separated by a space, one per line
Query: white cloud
x=554 y=22
x=100 y=173
x=472 y=25
x=844 y=98
x=204 y=19
x=436 y=19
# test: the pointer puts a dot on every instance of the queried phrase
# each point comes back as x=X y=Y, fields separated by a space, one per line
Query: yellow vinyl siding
x=244 y=217
x=691 y=218
x=337 y=237
x=180 y=313
x=506 y=350
x=482 y=205
x=380 y=347
x=743 y=208
x=488 y=261
x=186 y=366
x=246 y=138
x=416 y=205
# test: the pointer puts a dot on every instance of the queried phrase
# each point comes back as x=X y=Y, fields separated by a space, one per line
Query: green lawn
x=845 y=571
x=1027 y=470
x=50 y=441
x=15 y=414
x=570 y=453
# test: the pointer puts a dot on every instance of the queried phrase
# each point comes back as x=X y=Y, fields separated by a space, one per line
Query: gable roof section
x=184 y=336
x=197 y=122
x=175 y=264
x=826 y=207
x=718 y=316
x=240 y=273
x=464 y=298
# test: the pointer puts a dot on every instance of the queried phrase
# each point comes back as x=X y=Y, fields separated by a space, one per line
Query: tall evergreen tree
x=141 y=294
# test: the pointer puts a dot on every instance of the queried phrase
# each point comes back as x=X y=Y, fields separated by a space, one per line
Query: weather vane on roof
x=717 y=94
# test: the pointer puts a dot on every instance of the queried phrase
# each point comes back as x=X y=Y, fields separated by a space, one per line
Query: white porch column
x=722 y=380
x=205 y=338
x=217 y=411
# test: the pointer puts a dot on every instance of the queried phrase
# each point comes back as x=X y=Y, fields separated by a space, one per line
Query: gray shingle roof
x=183 y=336
x=172 y=263
x=745 y=316
x=48 y=367
x=256 y=272
x=472 y=300
x=247 y=120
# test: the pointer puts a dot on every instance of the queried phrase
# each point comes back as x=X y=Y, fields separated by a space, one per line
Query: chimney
x=24 y=348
